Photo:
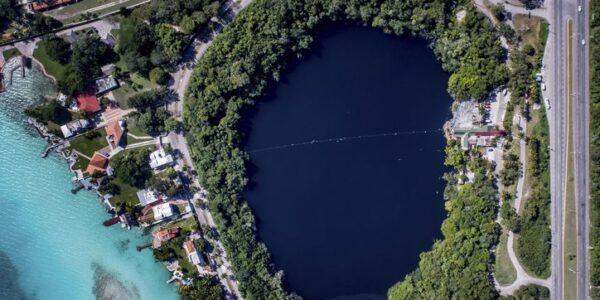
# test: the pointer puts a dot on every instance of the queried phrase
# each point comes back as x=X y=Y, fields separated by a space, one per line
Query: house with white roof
x=160 y=159
x=163 y=211
x=193 y=255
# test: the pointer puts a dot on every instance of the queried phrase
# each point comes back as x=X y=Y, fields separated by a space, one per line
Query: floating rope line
x=343 y=139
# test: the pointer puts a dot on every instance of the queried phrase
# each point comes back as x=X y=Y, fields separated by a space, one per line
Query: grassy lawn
x=81 y=163
x=78 y=8
x=10 y=53
x=132 y=140
x=134 y=129
x=188 y=224
x=88 y=146
x=504 y=270
x=570 y=222
x=51 y=66
x=127 y=194
x=528 y=28
x=137 y=85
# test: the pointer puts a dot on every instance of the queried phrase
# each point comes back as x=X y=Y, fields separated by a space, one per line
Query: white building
x=146 y=197
x=162 y=211
x=192 y=254
x=159 y=159
x=74 y=127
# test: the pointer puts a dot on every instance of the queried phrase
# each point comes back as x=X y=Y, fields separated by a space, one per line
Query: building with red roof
x=158 y=237
x=88 y=102
x=48 y=4
x=192 y=254
x=98 y=163
x=114 y=133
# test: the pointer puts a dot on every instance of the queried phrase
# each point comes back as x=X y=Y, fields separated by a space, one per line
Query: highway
x=555 y=60
x=581 y=142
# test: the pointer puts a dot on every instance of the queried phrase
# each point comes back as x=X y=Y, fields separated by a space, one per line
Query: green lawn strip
x=131 y=140
x=504 y=270
x=10 y=53
x=570 y=207
x=127 y=194
x=81 y=163
x=51 y=66
x=114 y=8
x=126 y=90
x=89 y=146
x=529 y=28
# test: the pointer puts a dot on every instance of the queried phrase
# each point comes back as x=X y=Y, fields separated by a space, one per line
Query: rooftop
x=98 y=163
x=160 y=159
x=114 y=132
x=162 y=211
x=88 y=102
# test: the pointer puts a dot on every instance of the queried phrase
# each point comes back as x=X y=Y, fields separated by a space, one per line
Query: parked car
x=547 y=103
x=543 y=86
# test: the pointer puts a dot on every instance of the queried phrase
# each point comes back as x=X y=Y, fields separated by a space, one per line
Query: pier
x=142 y=247
x=112 y=221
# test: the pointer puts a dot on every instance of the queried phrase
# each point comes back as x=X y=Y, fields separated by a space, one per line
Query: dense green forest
x=595 y=150
x=253 y=51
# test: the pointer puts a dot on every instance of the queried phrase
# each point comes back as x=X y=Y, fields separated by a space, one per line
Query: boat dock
x=142 y=247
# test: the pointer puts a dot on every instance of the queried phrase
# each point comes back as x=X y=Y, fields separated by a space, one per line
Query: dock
x=112 y=221
x=142 y=247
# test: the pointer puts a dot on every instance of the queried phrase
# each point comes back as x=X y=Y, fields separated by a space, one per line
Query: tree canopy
x=252 y=52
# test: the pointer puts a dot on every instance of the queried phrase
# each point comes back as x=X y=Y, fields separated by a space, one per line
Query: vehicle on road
x=543 y=86
x=547 y=103
x=583 y=42
x=579 y=8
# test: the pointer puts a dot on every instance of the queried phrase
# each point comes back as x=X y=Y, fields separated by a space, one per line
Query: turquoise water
x=53 y=244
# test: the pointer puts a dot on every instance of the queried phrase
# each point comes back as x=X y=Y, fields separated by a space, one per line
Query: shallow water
x=53 y=244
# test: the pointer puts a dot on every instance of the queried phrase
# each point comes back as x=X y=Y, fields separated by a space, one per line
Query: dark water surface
x=348 y=219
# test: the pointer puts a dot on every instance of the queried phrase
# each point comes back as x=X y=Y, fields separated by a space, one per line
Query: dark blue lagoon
x=346 y=210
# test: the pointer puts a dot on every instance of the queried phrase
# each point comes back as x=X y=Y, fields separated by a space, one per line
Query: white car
x=579 y=8
x=547 y=103
x=583 y=42
x=543 y=86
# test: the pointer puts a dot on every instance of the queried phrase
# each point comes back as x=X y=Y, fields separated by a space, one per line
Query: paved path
x=181 y=81
x=523 y=278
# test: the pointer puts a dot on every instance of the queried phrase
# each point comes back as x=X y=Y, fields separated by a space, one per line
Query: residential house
x=193 y=256
x=74 y=127
x=159 y=159
x=114 y=133
x=109 y=40
x=163 y=211
x=105 y=84
x=98 y=163
x=161 y=236
x=149 y=197
x=87 y=102
x=42 y=5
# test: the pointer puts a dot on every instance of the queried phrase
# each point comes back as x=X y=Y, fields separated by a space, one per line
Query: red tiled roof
x=46 y=4
x=88 y=102
x=114 y=131
x=166 y=234
x=189 y=246
x=98 y=163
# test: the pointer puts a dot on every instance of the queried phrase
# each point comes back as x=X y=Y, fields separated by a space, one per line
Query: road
x=555 y=60
x=181 y=80
x=581 y=142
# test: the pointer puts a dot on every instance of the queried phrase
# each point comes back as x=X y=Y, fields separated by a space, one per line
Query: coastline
x=42 y=213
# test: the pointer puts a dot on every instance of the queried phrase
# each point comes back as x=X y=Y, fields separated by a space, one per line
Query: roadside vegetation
x=10 y=53
x=16 y=23
x=529 y=292
x=594 y=45
x=243 y=61
x=531 y=221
